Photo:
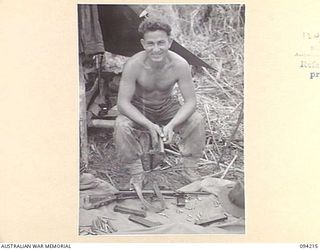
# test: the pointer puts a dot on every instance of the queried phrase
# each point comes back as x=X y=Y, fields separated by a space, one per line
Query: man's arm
x=126 y=91
x=187 y=109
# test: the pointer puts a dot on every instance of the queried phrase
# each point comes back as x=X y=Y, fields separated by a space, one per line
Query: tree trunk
x=83 y=121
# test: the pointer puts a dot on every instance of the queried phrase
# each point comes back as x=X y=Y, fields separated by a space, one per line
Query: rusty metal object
x=144 y=222
x=125 y=210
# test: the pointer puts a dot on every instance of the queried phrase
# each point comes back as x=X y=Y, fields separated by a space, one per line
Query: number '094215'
x=305 y=246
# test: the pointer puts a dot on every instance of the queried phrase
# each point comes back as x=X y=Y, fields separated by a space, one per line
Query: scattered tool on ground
x=143 y=221
x=102 y=225
x=207 y=221
x=146 y=204
x=126 y=210
x=91 y=202
x=97 y=200
x=181 y=200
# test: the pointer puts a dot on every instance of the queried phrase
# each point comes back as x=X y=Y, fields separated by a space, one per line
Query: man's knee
x=196 y=119
x=123 y=129
x=194 y=123
x=123 y=123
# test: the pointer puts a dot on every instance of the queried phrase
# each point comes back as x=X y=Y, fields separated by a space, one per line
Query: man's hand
x=155 y=130
x=167 y=134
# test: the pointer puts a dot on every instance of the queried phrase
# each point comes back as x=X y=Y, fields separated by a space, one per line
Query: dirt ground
x=103 y=163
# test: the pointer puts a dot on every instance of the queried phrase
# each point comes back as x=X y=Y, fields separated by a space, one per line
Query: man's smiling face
x=156 y=44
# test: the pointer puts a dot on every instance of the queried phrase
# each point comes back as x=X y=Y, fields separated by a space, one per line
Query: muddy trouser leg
x=129 y=141
x=192 y=133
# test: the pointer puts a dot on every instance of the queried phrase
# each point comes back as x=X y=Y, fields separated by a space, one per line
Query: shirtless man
x=146 y=102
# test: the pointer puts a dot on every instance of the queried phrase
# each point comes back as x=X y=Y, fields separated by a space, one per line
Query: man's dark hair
x=154 y=24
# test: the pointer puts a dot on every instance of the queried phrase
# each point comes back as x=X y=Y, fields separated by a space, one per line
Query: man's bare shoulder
x=178 y=61
x=135 y=62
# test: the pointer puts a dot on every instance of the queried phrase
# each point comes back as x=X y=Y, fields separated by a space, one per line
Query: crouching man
x=147 y=105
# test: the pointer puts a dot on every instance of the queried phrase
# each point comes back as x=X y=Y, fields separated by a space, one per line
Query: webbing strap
x=147 y=205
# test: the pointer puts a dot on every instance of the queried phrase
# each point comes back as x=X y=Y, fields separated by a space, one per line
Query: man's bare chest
x=156 y=81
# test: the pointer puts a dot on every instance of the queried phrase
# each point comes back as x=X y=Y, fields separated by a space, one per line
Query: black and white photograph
x=161 y=111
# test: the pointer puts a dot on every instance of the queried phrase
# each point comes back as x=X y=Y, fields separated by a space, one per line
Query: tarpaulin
x=90 y=36
x=175 y=220
x=119 y=26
